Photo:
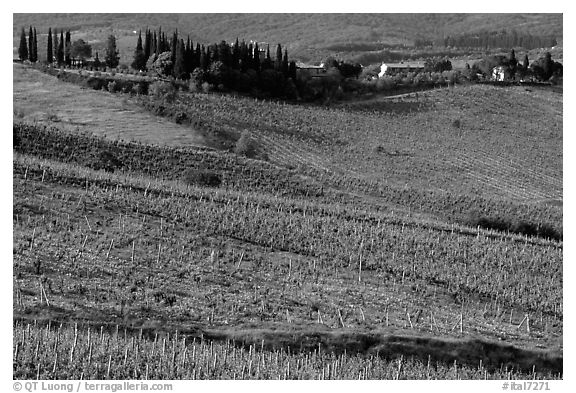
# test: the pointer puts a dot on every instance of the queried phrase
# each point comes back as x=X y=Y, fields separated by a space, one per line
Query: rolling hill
x=304 y=35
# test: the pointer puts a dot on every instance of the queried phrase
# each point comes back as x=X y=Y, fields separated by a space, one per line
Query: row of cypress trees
x=28 y=49
x=185 y=57
x=57 y=50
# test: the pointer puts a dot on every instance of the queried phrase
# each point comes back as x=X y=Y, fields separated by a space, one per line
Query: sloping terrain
x=300 y=33
x=43 y=99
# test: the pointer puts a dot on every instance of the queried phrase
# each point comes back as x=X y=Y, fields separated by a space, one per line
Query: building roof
x=308 y=66
x=407 y=64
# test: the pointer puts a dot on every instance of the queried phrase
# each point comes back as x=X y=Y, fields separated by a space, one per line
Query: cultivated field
x=344 y=256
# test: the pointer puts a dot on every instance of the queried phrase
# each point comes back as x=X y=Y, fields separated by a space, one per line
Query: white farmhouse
x=393 y=68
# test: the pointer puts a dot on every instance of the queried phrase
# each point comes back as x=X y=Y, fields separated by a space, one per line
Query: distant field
x=43 y=98
x=305 y=35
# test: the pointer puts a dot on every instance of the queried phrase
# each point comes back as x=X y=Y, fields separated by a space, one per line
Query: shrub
x=112 y=86
x=105 y=160
x=457 y=123
x=207 y=87
x=202 y=177
x=246 y=146
x=163 y=91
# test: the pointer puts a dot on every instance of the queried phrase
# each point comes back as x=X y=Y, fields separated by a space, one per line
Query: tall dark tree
x=203 y=59
x=292 y=70
x=23 y=48
x=224 y=54
x=547 y=65
x=512 y=62
x=154 y=45
x=31 y=45
x=159 y=42
x=173 y=46
x=60 y=52
x=236 y=54
x=140 y=59
x=278 y=61
x=256 y=59
x=189 y=56
x=97 y=62
x=49 y=52
x=112 y=58
x=179 y=70
x=284 y=67
x=147 y=44
x=55 y=46
x=197 y=54
x=68 y=49
x=267 y=62
x=526 y=63
x=35 y=45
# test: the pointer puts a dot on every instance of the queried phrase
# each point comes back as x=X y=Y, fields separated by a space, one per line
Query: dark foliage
x=521 y=227
x=202 y=177
x=23 y=48
x=112 y=58
x=437 y=64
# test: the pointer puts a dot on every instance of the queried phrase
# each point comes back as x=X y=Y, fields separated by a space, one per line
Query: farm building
x=500 y=74
x=312 y=70
x=393 y=68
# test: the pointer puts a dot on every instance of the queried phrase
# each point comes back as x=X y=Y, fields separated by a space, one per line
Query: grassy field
x=42 y=99
x=347 y=240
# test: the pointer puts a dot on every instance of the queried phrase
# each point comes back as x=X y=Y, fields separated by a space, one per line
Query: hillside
x=305 y=35
x=412 y=236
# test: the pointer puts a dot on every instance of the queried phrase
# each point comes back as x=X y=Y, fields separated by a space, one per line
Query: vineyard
x=345 y=255
x=135 y=251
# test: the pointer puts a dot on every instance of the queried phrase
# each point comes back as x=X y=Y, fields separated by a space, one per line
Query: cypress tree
x=285 y=63
x=23 y=49
x=60 y=53
x=173 y=46
x=513 y=62
x=30 y=45
x=55 y=46
x=204 y=62
x=49 y=54
x=292 y=70
x=112 y=59
x=278 y=62
x=147 y=44
x=526 y=62
x=68 y=49
x=256 y=57
x=179 y=70
x=236 y=54
x=159 y=42
x=139 y=62
x=197 y=54
x=35 y=46
x=189 y=56
x=153 y=45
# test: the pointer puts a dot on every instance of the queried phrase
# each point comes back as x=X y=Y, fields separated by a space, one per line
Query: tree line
x=500 y=39
x=542 y=69
x=60 y=49
x=489 y=39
